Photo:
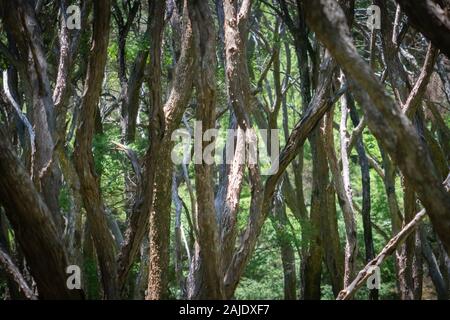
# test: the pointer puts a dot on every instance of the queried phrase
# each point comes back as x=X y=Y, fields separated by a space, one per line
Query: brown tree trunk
x=384 y=118
x=138 y=221
x=345 y=201
x=84 y=160
x=439 y=281
x=21 y=20
x=286 y=249
x=34 y=229
x=366 y=200
x=312 y=270
x=334 y=256
x=169 y=118
x=205 y=279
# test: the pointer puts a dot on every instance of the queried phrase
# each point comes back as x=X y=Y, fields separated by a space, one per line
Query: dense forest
x=225 y=149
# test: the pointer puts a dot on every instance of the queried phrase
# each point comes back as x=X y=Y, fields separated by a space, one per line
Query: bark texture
x=84 y=159
x=384 y=118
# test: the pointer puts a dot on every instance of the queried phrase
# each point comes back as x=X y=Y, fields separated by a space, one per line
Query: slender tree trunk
x=334 y=256
x=138 y=222
x=286 y=249
x=312 y=271
x=206 y=278
x=166 y=121
x=434 y=271
x=345 y=201
x=84 y=160
x=365 y=181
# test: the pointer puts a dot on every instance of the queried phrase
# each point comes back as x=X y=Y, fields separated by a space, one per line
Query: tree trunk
x=312 y=266
x=286 y=249
x=345 y=201
x=34 y=229
x=28 y=38
x=365 y=181
x=384 y=118
x=169 y=118
x=206 y=278
x=84 y=160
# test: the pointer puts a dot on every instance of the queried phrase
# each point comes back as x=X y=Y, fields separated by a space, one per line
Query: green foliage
x=110 y=165
x=92 y=284
x=64 y=199
x=263 y=277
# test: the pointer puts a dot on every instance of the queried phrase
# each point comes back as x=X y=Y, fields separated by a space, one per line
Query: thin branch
x=20 y=115
x=356 y=133
x=418 y=91
x=14 y=272
x=374 y=164
x=388 y=250
x=133 y=157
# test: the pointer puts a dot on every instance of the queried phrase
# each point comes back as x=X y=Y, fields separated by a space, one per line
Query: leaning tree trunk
x=21 y=21
x=384 y=118
x=34 y=229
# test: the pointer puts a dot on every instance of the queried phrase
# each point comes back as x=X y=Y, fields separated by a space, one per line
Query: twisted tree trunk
x=84 y=159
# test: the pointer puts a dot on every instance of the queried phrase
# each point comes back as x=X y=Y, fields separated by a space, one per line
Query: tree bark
x=345 y=201
x=22 y=23
x=13 y=271
x=35 y=231
x=205 y=278
x=169 y=118
x=280 y=222
x=138 y=221
x=312 y=270
x=384 y=118
x=391 y=246
x=366 y=200
x=431 y=19
x=439 y=282
x=84 y=160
